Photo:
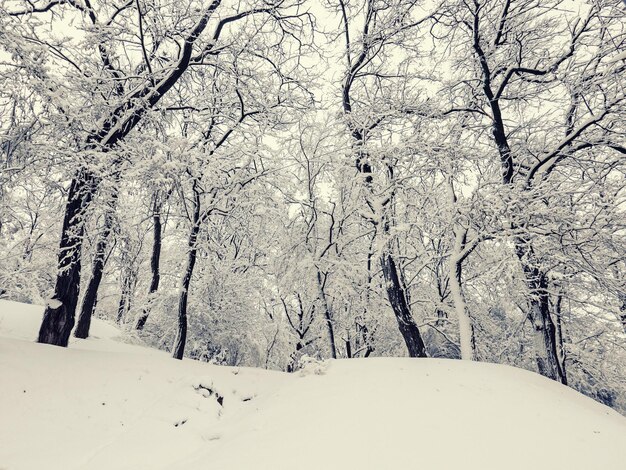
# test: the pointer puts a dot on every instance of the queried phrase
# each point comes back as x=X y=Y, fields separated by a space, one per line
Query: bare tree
x=383 y=26
x=520 y=50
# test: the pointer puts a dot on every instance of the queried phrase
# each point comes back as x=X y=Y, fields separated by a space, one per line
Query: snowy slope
x=102 y=404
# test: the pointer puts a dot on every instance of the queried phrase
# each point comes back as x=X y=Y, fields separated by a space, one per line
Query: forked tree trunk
x=58 y=317
x=91 y=293
x=397 y=291
x=155 y=261
x=455 y=276
x=544 y=340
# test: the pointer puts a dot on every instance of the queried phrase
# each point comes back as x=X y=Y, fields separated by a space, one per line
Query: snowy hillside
x=104 y=404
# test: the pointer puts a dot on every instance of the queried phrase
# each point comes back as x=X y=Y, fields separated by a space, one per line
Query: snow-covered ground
x=106 y=404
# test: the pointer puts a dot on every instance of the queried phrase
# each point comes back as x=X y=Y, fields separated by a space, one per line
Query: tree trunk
x=121 y=306
x=327 y=315
x=559 y=335
x=128 y=285
x=622 y=309
x=362 y=339
x=544 y=340
x=181 y=336
x=58 y=317
x=397 y=292
x=466 y=329
x=155 y=260
x=397 y=298
x=91 y=293
x=544 y=330
x=363 y=336
x=295 y=356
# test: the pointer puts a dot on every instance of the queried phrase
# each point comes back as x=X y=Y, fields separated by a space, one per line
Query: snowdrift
x=104 y=404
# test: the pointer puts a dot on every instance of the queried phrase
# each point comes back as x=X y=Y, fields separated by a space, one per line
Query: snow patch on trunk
x=54 y=304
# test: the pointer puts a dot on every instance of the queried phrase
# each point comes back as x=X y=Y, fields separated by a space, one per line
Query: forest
x=266 y=182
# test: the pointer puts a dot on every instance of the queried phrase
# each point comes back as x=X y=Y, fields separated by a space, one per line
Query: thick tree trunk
x=58 y=317
x=398 y=295
x=544 y=330
x=397 y=298
x=544 y=340
x=327 y=315
x=91 y=293
x=89 y=301
x=155 y=260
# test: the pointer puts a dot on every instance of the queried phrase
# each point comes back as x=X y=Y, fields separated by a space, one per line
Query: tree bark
x=397 y=298
x=181 y=336
x=544 y=330
x=91 y=293
x=155 y=261
x=622 y=309
x=128 y=284
x=466 y=329
x=327 y=315
x=58 y=317
x=560 y=341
